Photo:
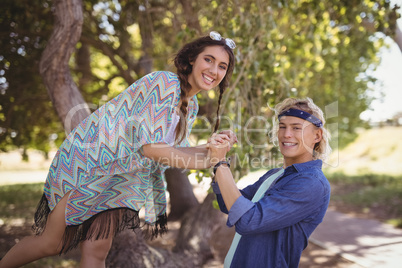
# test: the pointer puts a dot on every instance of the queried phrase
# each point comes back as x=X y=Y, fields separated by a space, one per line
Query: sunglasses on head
x=216 y=36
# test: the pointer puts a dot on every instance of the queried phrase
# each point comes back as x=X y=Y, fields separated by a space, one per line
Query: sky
x=389 y=75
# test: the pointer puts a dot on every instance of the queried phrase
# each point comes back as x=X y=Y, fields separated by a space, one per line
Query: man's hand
x=231 y=135
x=219 y=145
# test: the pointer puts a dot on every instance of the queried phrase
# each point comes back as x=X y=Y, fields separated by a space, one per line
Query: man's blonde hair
x=322 y=149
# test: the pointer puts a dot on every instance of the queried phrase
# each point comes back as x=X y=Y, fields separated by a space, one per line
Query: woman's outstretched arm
x=187 y=158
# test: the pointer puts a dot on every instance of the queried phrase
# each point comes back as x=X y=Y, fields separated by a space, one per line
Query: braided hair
x=182 y=61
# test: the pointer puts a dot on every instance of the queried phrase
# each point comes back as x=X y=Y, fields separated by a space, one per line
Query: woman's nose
x=213 y=69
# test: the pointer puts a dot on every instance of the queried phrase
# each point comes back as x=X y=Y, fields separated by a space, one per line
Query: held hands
x=220 y=144
x=225 y=138
x=231 y=135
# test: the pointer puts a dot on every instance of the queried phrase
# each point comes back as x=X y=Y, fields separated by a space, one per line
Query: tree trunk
x=203 y=233
x=83 y=64
x=54 y=69
x=145 y=63
x=191 y=16
x=398 y=37
x=129 y=250
x=182 y=197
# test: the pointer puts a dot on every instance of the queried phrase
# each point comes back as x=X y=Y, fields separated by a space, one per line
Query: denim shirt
x=275 y=230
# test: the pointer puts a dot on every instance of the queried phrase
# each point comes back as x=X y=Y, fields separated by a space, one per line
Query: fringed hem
x=41 y=214
x=100 y=226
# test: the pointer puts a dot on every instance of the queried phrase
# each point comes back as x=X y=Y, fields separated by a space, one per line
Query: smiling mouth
x=208 y=79
x=289 y=144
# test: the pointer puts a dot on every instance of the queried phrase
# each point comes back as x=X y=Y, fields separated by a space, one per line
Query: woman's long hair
x=322 y=149
x=187 y=54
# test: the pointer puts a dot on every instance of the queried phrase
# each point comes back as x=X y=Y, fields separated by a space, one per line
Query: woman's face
x=209 y=69
x=297 y=138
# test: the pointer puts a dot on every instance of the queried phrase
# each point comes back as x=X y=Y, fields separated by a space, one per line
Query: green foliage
x=320 y=49
x=296 y=49
x=26 y=114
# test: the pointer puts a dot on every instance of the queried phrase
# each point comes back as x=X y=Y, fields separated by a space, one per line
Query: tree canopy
x=319 y=49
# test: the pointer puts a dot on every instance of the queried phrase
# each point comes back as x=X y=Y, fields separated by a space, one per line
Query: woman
x=112 y=164
x=275 y=216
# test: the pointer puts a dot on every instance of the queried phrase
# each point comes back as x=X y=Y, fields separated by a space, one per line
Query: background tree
x=26 y=114
x=285 y=48
x=54 y=69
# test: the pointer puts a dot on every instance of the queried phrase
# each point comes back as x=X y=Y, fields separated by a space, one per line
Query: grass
x=370 y=193
x=367 y=175
x=19 y=200
x=369 y=180
x=375 y=151
x=18 y=203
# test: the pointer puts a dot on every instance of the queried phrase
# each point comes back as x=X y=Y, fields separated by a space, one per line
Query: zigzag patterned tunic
x=102 y=167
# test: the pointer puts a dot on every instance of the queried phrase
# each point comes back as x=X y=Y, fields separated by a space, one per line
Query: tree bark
x=129 y=250
x=83 y=65
x=398 y=37
x=202 y=229
x=191 y=16
x=145 y=23
x=182 y=198
x=54 y=68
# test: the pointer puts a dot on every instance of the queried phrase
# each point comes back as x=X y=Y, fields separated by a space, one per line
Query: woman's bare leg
x=36 y=247
x=94 y=252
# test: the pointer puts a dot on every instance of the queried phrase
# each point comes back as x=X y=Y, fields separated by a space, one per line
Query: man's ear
x=318 y=135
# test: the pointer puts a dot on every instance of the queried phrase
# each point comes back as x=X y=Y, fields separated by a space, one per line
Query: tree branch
x=111 y=53
x=54 y=68
x=398 y=37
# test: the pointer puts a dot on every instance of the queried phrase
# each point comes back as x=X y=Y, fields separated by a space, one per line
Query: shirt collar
x=299 y=167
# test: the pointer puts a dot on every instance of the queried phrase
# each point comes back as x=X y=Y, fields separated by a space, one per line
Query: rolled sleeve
x=239 y=208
